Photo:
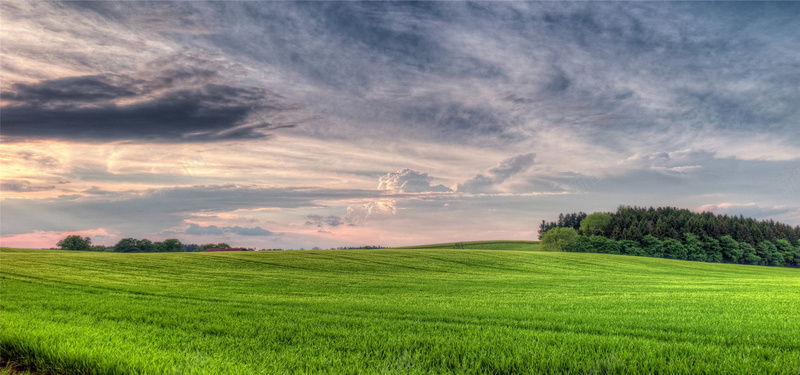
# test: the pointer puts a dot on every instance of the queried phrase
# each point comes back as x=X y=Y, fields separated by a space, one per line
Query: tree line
x=675 y=234
x=133 y=245
x=633 y=223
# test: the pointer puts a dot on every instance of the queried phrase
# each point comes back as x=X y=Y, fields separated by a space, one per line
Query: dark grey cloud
x=484 y=183
x=199 y=230
x=324 y=221
x=603 y=69
x=170 y=103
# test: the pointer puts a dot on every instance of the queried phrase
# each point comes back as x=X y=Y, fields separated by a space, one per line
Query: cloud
x=409 y=181
x=747 y=210
x=154 y=210
x=483 y=183
x=357 y=214
x=23 y=186
x=197 y=230
x=667 y=162
x=213 y=230
x=169 y=101
x=323 y=221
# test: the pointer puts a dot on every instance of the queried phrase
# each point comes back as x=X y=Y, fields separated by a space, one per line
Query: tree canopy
x=559 y=239
x=595 y=224
x=75 y=242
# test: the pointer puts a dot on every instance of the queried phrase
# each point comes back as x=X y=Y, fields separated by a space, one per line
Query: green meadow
x=436 y=310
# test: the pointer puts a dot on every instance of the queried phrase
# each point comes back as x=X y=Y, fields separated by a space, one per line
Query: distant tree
x=221 y=245
x=629 y=247
x=75 y=242
x=126 y=245
x=731 y=251
x=674 y=249
x=145 y=246
x=98 y=248
x=694 y=247
x=713 y=249
x=796 y=253
x=172 y=245
x=582 y=245
x=595 y=224
x=749 y=254
x=652 y=246
x=605 y=245
x=559 y=239
x=769 y=254
x=786 y=250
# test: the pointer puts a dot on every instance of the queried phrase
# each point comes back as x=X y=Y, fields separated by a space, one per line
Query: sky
x=327 y=124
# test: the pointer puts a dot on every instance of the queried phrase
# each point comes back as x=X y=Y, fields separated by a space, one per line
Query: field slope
x=398 y=311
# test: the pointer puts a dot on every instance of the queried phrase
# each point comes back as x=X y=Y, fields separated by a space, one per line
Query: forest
x=669 y=232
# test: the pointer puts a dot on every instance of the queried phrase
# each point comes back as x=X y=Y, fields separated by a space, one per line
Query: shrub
x=559 y=239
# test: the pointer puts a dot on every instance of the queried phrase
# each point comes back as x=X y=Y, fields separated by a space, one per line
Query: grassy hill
x=482 y=245
x=394 y=311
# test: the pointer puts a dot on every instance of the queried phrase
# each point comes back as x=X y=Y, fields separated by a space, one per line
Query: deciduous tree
x=559 y=239
x=75 y=242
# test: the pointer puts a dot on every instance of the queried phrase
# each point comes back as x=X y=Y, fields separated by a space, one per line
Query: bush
x=694 y=247
x=605 y=245
x=749 y=254
x=731 y=251
x=582 y=245
x=559 y=239
x=652 y=246
x=629 y=247
x=673 y=249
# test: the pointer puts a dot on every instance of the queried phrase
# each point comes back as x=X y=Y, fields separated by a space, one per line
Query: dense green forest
x=668 y=232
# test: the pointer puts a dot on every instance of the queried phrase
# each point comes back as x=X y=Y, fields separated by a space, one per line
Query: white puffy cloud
x=410 y=181
x=356 y=214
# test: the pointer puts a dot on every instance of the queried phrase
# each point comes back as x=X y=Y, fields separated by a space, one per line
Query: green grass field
x=394 y=311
